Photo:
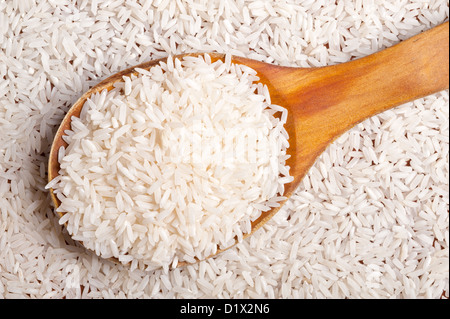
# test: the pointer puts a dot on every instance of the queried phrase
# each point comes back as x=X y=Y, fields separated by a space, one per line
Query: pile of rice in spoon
x=172 y=164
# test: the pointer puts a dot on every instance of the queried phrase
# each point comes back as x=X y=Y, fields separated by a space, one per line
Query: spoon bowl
x=322 y=102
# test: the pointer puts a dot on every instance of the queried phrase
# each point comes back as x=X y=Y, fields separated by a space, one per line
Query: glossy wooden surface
x=325 y=102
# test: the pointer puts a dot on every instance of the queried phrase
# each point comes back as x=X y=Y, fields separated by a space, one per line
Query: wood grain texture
x=324 y=102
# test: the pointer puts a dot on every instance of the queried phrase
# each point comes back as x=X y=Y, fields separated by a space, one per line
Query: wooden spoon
x=323 y=102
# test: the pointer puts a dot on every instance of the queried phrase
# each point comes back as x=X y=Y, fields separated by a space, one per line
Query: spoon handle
x=330 y=100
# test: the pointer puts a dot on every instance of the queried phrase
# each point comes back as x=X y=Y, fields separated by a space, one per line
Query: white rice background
x=370 y=220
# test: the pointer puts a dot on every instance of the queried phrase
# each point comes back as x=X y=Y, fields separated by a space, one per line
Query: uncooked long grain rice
x=51 y=52
x=192 y=155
